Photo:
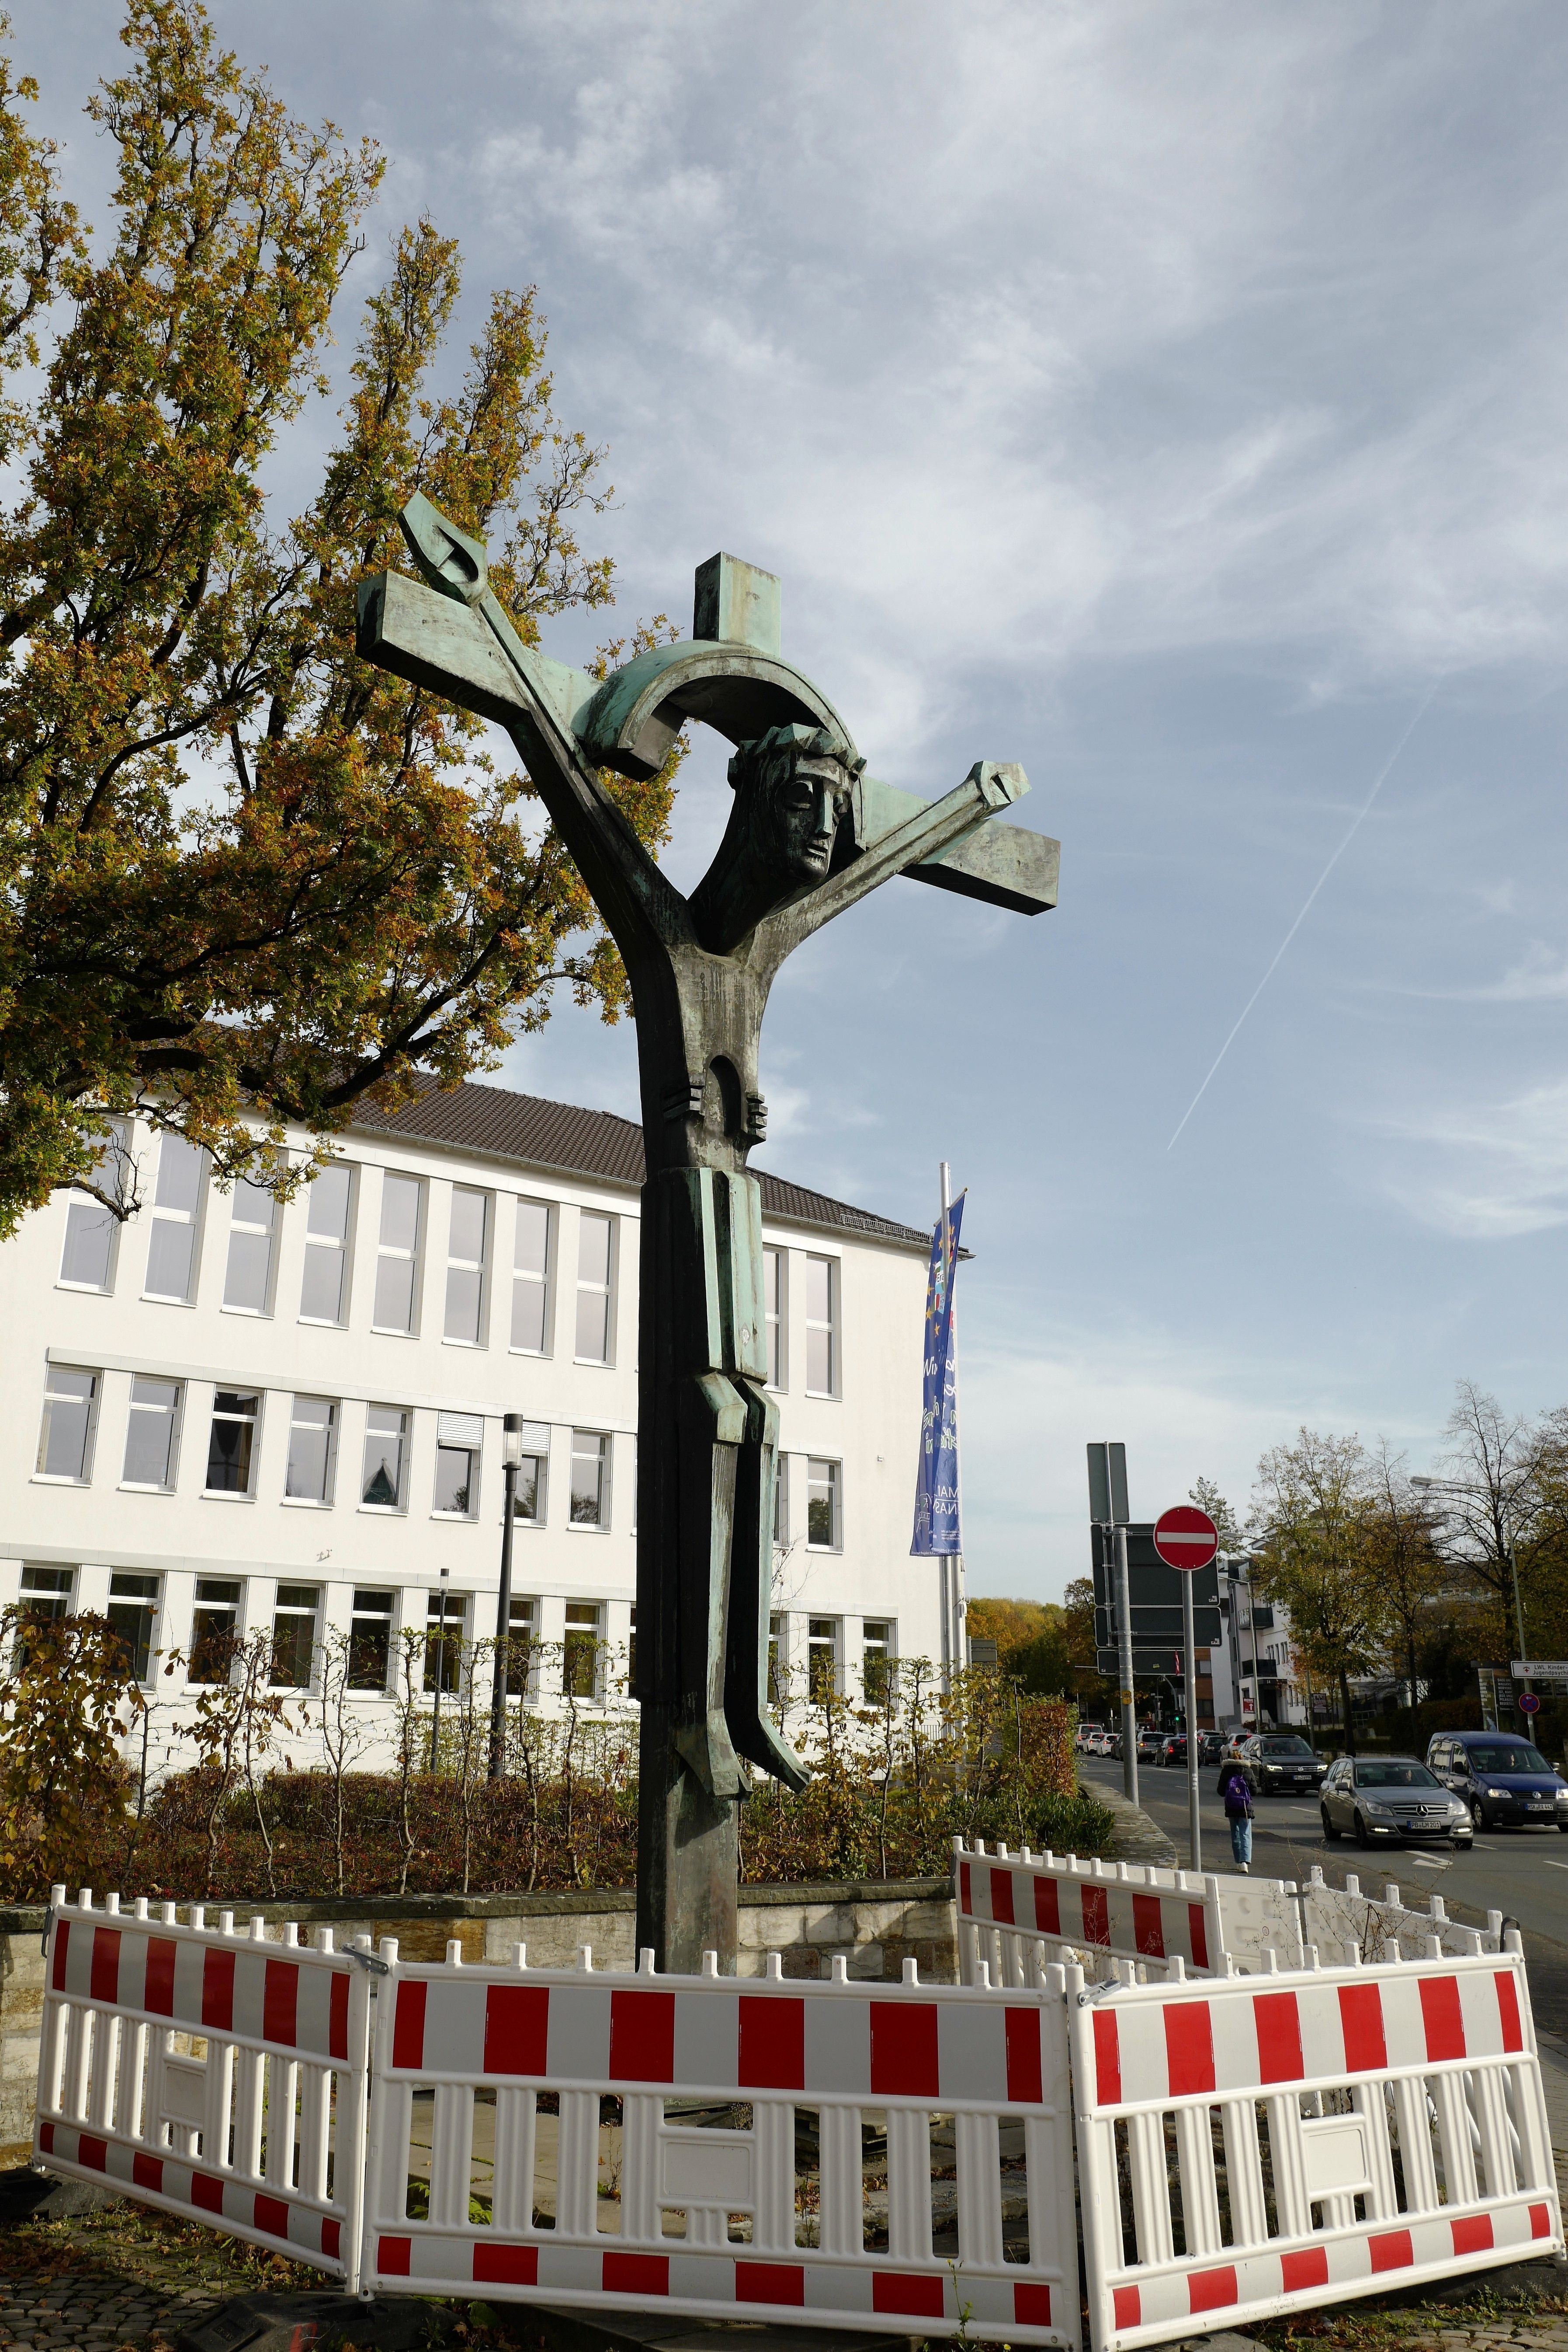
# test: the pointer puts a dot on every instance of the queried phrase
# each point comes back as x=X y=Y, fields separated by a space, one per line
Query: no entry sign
x=1185 y=1537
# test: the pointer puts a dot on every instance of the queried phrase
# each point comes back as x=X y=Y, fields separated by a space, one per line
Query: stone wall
x=875 y=1925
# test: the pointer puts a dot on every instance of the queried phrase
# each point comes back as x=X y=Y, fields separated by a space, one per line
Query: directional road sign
x=1185 y=1538
x=1156 y=1592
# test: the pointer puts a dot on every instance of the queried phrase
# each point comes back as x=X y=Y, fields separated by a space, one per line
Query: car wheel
x=1362 y=1834
x=1477 y=1814
x=1330 y=1834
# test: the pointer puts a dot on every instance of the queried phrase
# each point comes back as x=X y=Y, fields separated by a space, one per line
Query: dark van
x=1502 y=1778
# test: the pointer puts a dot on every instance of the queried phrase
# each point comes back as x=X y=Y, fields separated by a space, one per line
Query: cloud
x=1487 y=1171
x=1540 y=977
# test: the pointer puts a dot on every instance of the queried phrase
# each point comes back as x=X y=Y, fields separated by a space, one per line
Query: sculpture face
x=804 y=809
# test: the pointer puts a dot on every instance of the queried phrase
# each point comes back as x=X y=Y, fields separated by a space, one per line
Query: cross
x=810 y=834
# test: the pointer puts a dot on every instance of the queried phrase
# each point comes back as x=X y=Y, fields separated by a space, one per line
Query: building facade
x=230 y=1418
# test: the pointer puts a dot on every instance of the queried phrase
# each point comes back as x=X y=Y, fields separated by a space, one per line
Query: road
x=1523 y=1873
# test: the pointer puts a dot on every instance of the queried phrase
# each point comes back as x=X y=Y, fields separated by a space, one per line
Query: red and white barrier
x=713 y=2221
x=214 y=2075
x=1251 y=2147
x=1346 y=1924
x=1018 y=1911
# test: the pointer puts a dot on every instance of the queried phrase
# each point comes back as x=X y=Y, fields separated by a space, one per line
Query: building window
x=590 y=1466
x=325 y=1284
x=523 y=1620
x=64 y=1441
x=294 y=1636
x=152 y=1436
x=215 y=1630
x=397 y=1252
x=876 y=1668
x=466 y=1251
x=824 y=1531
x=252 y=1223
x=781 y=1498
x=87 y=1262
x=443 y=1617
x=385 y=1444
x=776 y=1661
x=580 y=1651
x=458 y=1438
x=531 y=1278
x=370 y=1641
x=46 y=1598
x=821 y=1659
x=176 y=1214
x=776 y=1277
x=312 y=1450
x=595 y=1255
x=133 y=1604
x=822 y=1326
x=231 y=1449
x=632 y=1651
x=532 y=1475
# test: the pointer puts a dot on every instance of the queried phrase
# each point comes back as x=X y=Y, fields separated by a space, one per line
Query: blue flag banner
x=936 y=1485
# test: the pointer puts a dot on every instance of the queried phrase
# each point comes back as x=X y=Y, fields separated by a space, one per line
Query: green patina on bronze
x=809 y=834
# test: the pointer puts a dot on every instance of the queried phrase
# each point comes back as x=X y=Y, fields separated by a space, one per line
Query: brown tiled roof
x=576 y=1142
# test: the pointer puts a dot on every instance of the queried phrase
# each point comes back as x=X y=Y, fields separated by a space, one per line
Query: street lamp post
x=511 y=1463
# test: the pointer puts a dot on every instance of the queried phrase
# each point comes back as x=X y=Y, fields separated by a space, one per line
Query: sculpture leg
x=746 y=1709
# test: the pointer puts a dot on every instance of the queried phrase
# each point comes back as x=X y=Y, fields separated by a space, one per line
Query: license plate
x=1543 y=1809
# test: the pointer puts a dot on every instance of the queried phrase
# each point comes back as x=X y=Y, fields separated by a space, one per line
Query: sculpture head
x=792 y=793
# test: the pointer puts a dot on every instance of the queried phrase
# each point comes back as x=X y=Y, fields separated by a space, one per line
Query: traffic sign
x=1528 y=1702
x=1185 y=1538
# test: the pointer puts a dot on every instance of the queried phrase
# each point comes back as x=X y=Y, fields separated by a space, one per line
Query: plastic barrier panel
x=1254 y=2146
x=725 y=2148
x=214 y=2075
x=1344 y=1923
x=1016 y=1910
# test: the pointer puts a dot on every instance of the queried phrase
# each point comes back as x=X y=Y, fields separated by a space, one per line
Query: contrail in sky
x=1352 y=831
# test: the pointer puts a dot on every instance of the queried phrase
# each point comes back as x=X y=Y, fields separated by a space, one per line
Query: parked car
x=1500 y=1778
x=1211 y=1747
x=1087 y=1733
x=1174 y=1748
x=1150 y=1742
x=1277 y=1761
x=1383 y=1798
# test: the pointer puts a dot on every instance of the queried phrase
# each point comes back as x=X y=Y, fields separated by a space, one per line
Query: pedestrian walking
x=1235 y=1791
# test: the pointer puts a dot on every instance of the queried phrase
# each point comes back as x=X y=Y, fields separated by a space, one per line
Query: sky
x=1170 y=400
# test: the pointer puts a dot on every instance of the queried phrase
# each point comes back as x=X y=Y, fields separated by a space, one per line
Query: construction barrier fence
x=1016 y=1911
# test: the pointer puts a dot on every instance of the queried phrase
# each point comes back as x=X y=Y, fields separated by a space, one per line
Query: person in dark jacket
x=1235 y=1791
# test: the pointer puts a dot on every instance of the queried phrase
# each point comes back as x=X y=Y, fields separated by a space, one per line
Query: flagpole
x=953 y=1563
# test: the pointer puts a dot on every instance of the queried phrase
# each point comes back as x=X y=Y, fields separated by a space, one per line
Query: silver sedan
x=1382 y=1800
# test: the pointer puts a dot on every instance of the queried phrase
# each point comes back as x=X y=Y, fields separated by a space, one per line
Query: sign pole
x=1129 y=1704
x=1188 y=1539
x=1195 y=1830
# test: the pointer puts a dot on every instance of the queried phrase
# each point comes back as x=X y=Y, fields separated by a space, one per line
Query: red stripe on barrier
x=1279 y=2027
x=331 y=2239
x=408 y=2026
x=147 y=2172
x=103 y=1983
x=966 y=1890
x=92 y=2152
x=770 y=2282
x=1127 y=2307
x=1197 y=1930
x=1189 y=2047
x=1211 y=2290
x=1031 y=2304
x=272 y=2215
x=636 y=2274
x=62 y=1944
x=338 y=2016
x=1474 y=2236
x=1149 y=1925
x=642 y=2045
x=391 y=2253
x=1442 y=2016
x=1002 y=1897
x=506 y=2265
x=909 y=2293
x=1024 y=2081
x=1047 y=1906
x=1360 y=2023
x=772 y=2045
x=218 y=1990
x=158 y=1992
x=1392 y=2250
x=1095 y=1916
x=280 y=2002
x=1540 y=2222
x=904 y=2060
x=1300 y=2271
x=47 y=2139
x=1507 y=2011
x=1106 y=2059
x=206 y=2192
x=517 y=2029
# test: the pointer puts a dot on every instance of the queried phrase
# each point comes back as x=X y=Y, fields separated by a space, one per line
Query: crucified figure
x=808 y=835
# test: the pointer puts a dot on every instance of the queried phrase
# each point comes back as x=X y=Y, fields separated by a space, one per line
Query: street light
x=511 y=1463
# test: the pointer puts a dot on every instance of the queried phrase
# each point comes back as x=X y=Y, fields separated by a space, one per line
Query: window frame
x=245 y=1493
x=193 y=1219
x=593 y=1290
x=323 y=1501
x=116 y=1151
x=834 y=1485
x=831 y=1325
x=243 y=1229
x=880 y=1648
x=340 y=1246
x=480 y=1267
x=295 y=1613
x=816 y=1646
x=381 y=1621
x=601 y=1524
x=459 y=1442
x=575 y=1633
x=775 y=1315
x=543 y=1281
x=395 y=1253
x=522 y=1681
x=233 y=1610
x=397 y=1508
x=176 y=1425
x=142 y=1649
x=439 y=1660
x=93 y=1400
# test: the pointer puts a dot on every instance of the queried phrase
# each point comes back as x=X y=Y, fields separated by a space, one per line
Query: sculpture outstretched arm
x=939 y=823
x=641 y=907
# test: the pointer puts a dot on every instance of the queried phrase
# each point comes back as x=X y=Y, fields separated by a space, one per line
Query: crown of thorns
x=785 y=743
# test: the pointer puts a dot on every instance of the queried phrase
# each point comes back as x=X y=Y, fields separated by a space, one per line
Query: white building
x=228 y=1416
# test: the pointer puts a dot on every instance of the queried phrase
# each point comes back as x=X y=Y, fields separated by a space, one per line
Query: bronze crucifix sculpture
x=809 y=834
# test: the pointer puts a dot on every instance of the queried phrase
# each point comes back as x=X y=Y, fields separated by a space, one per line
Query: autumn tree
x=1501 y=1508
x=1403 y=1558
x=1207 y=1497
x=248 y=880
x=1312 y=1509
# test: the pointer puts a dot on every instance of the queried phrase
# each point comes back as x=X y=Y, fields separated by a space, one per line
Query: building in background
x=229 y=1416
